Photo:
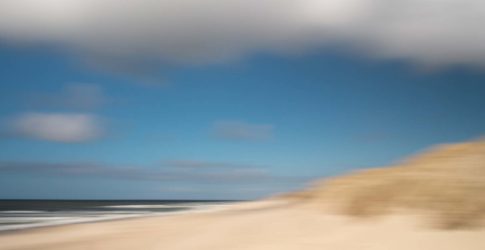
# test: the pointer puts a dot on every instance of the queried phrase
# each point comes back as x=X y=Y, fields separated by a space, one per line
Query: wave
x=145 y=206
x=21 y=211
x=25 y=219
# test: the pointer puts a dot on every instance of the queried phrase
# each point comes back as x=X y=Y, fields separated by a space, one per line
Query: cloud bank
x=240 y=130
x=174 y=179
x=194 y=165
x=73 y=96
x=168 y=173
x=58 y=127
x=428 y=32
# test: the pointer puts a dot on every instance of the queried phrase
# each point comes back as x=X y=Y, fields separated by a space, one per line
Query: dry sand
x=445 y=184
x=253 y=226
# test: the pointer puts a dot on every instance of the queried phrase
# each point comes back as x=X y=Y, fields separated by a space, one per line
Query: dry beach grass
x=445 y=184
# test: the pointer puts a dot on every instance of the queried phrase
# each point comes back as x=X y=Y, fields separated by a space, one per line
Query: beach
x=431 y=201
x=242 y=125
x=272 y=224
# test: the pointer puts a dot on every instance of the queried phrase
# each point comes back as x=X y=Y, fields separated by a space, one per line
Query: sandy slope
x=251 y=226
x=445 y=184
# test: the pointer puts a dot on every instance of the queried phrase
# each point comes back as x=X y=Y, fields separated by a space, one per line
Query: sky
x=162 y=99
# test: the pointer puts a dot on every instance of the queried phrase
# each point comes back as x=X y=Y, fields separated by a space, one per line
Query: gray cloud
x=239 y=130
x=231 y=175
x=74 y=96
x=429 y=32
x=58 y=127
x=192 y=164
x=215 y=171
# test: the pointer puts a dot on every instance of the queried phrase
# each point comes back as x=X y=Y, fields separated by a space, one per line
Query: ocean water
x=23 y=214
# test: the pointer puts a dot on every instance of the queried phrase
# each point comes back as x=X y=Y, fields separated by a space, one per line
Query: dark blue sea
x=23 y=214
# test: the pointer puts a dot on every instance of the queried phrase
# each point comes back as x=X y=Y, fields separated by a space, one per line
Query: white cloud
x=239 y=130
x=59 y=127
x=432 y=32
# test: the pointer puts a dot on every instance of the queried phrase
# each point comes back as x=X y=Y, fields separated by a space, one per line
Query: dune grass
x=445 y=184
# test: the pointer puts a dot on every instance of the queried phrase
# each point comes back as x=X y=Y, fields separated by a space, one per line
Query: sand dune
x=445 y=185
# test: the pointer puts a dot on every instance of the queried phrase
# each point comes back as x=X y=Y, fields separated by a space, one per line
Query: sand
x=432 y=201
x=250 y=226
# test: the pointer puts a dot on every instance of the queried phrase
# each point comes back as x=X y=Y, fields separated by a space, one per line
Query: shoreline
x=258 y=225
x=201 y=209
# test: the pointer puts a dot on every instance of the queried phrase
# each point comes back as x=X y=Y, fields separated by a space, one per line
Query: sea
x=24 y=214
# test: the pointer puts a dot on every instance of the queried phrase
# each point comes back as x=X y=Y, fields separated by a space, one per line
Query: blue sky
x=77 y=123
